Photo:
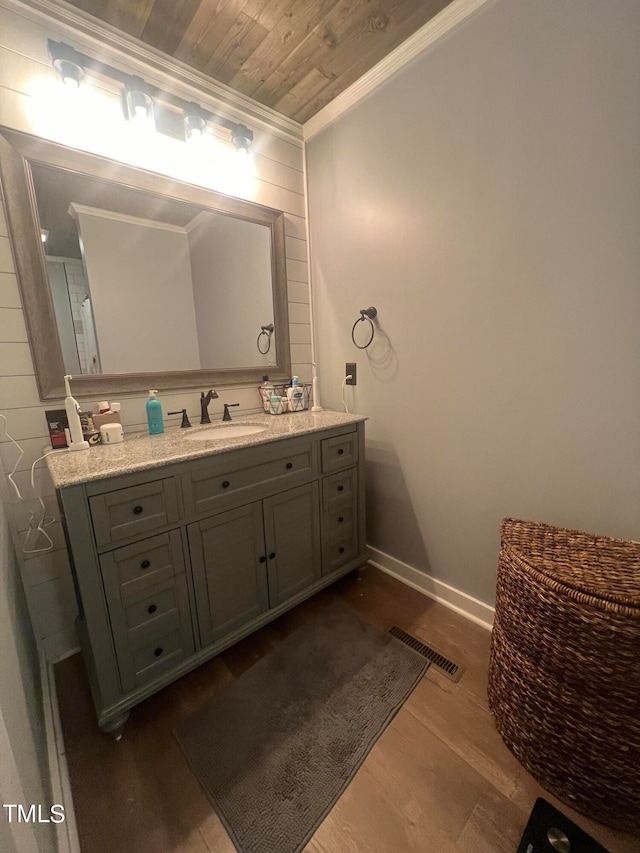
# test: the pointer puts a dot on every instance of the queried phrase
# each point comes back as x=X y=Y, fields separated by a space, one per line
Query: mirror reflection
x=142 y=282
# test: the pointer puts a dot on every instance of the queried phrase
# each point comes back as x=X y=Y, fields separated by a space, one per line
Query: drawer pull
x=341 y=549
x=145 y=564
x=225 y=484
x=272 y=555
x=263 y=559
x=158 y=651
x=152 y=608
x=289 y=465
x=340 y=451
x=137 y=510
x=340 y=519
x=341 y=488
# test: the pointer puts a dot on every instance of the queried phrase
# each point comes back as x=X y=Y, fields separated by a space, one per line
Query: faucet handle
x=185 y=420
x=227 y=416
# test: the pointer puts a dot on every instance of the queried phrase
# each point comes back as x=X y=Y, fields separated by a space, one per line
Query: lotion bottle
x=72 y=409
x=154 y=415
x=295 y=396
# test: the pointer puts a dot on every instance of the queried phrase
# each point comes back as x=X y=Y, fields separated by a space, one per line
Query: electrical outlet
x=351 y=369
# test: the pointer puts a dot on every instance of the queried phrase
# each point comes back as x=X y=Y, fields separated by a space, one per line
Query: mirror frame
x=17 y=151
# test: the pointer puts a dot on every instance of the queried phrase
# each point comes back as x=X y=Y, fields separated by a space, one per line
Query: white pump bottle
x=73 y=417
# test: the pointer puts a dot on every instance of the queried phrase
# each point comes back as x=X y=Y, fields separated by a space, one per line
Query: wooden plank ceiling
x=292 y=55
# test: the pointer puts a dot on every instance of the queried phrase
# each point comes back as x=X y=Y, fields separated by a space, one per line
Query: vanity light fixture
x=145 y=103
x=68 y=64
x=195 y=123
x=241 y=138
x=138 y=104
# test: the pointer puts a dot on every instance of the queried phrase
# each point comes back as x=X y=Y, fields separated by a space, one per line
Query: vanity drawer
x=160 y=655
x=338 y=552
x=150 y=643
x=218 y=486
x=339 y=490
x=150 y=604
x=134 y=511
x=136 y=567
x=339 y=452
x=338 y=524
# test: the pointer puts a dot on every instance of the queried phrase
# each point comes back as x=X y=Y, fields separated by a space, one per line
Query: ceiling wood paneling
x=292 y=55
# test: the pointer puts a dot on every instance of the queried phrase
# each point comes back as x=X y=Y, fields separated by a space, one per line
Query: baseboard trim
x=467 y=606
x=67 y=831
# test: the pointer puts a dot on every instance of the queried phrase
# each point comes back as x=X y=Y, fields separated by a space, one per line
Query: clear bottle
x=266 y=390
x=154 y=415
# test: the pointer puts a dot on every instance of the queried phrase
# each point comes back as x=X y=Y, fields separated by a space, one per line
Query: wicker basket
x=564 y=672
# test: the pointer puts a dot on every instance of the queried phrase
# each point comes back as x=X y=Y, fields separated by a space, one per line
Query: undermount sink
x=216 y=433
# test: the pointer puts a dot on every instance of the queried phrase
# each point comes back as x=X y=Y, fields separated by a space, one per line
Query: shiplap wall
x=24 y=66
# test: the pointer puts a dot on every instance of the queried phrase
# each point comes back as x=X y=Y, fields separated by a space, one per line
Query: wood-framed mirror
x=182 y=284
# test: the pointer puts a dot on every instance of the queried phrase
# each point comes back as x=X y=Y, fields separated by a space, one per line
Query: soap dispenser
x=154 y=414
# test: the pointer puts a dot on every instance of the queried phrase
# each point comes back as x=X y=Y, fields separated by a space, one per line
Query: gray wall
x=487 y=201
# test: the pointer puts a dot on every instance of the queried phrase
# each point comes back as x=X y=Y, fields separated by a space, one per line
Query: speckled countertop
x=140 y=451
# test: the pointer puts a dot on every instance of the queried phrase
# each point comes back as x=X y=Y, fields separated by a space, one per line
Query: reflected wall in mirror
x=141 y=281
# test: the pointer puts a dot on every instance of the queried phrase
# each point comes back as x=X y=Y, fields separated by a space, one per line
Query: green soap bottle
x=154 y=415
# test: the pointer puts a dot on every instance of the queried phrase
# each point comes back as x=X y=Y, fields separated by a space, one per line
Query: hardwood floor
x=439 y=779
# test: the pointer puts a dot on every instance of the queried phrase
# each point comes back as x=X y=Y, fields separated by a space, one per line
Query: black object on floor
x=549 y=831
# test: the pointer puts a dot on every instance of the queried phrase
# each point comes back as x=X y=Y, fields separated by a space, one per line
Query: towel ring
x=368 y=314
x=265 y=331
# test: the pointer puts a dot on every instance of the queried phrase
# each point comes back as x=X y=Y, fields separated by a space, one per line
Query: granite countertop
x=140 y=451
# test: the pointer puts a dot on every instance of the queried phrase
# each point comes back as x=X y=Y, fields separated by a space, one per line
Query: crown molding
x=95 y=35
x=112 y=215
x=435 y=29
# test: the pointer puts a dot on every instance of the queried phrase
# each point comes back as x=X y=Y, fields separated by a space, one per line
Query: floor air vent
x=446 y=666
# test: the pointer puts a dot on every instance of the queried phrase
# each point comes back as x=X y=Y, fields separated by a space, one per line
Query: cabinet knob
x=340 y=451
x=158 y=651
x=145 y=564
x=225 y=484
x=341 y=488
x=341 y=549
x=340 y=519
x=272 y=555
x=263 y=559
x=152 y=608
x=289 y=465
x=137 y=510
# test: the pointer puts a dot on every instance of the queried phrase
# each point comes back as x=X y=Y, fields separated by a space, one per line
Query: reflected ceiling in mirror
x=142 y=281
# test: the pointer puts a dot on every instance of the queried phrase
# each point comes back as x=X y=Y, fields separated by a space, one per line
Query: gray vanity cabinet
x=176 y=562
x=253 y=558
x=292 y=542
x=229 y=571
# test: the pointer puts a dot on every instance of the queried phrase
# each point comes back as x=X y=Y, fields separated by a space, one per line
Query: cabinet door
x=292 y=533
x=229 y=570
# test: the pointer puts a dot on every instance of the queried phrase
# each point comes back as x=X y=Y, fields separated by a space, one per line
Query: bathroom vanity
x=181 y=547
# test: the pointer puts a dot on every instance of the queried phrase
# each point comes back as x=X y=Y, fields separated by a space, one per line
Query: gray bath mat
x=276 y=749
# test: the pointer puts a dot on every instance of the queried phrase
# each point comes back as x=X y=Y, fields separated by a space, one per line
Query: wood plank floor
x=439 y=779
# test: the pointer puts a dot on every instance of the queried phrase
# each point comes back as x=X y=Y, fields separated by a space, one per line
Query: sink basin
x=224 y=431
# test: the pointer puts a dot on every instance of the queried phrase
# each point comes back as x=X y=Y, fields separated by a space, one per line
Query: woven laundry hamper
x=564 y=671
